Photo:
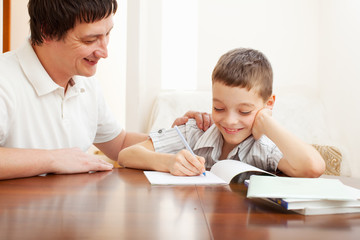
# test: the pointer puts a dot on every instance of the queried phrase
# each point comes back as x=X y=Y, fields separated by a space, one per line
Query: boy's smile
x=234 y=111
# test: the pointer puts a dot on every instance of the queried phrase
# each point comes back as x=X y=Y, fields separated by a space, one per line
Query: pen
x=186 y=144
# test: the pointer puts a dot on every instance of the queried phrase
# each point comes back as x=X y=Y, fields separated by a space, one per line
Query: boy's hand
x=258 y=128
x=203 y=120
x=185 y=164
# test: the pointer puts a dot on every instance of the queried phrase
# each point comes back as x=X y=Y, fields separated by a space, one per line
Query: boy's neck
x=226 y=149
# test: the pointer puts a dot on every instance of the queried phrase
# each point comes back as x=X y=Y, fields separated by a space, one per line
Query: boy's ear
x=270 y=102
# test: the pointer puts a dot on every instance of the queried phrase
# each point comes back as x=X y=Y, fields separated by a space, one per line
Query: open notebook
x=222 y=172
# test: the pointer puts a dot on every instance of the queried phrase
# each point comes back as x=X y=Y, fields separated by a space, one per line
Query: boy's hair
x=54 y=18
x=246 y=68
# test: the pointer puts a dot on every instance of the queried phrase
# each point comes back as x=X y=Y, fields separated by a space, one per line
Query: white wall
x=143 y=61
x=285 y=31
x=340 y=74
x=19 y=23
x=1 y=25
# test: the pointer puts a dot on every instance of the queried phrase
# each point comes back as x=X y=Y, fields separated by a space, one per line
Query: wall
x=285 y=31
x=143 y=61
x=1 y=25
x=19 y=23
x=340 y=74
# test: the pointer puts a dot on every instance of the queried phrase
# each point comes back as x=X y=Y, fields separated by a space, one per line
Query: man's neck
x=46 y=59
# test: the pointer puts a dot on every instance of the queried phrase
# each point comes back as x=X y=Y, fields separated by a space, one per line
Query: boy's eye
x=218 y=109
x=245 y=113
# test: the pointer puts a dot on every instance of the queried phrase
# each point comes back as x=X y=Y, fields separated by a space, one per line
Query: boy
x=244 y=129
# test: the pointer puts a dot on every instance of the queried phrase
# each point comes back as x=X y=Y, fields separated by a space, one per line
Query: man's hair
x=246 y=68
x=54 y=18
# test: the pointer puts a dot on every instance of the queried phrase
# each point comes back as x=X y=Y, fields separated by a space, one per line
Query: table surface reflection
x=121 y=204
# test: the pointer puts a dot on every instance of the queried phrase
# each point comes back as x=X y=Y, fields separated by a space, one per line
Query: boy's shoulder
x=265 y=143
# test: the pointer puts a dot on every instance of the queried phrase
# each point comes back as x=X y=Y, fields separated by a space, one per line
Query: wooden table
x=121 y=204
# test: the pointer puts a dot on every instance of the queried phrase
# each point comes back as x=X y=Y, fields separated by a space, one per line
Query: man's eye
x=89 y=41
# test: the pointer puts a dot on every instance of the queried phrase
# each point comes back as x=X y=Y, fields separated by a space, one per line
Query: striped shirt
x=261 y=153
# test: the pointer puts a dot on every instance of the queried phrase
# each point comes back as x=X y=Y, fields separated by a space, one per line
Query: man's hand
x=185 y=164
x=258 y=128
x=73 y=160
x=203 y=120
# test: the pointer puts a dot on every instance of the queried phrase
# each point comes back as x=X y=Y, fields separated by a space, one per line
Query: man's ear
x=270 y=102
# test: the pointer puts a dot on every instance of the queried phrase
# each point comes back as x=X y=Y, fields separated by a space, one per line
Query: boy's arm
x=300 y=159
x=143 y=156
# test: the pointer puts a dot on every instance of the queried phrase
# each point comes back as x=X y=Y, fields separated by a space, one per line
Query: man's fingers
x=207 y=121
x=180 y=121
x=199 y=120
x=203 y=120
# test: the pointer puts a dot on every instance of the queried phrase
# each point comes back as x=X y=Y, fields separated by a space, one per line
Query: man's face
x=234 y=111
x=81 y=49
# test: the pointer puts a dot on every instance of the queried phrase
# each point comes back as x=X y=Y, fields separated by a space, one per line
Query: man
x=51 y=108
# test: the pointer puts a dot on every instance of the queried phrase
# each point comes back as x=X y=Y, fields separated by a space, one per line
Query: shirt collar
x=212 y=138
x=34 y=71
x=39 y=78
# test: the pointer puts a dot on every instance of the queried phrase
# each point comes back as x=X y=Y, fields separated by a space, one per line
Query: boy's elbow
x=122 y=158
x=316 y=168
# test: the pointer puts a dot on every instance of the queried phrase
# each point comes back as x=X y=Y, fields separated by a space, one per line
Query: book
x=330 y=210
x=222 y=172
x=301 y=203
x=297 y=203
x=319 y=209
x=303 y=188
x=314 y=196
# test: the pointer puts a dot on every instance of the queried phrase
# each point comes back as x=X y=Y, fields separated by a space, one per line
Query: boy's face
x=81 y=49
x=234 y=111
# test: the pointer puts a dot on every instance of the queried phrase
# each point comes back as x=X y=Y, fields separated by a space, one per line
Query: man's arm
x=300 y=159
x=18 y=163
x=125 y=139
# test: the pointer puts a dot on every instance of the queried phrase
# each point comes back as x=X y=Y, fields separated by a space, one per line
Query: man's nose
x=102 y=51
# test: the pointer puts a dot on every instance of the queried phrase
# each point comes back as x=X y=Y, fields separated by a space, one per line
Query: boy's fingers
x=194 y=163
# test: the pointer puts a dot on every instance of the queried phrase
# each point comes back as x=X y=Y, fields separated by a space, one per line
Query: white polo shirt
x=35 y=113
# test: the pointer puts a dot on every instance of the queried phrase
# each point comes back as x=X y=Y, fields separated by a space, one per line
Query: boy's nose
x=231 y=119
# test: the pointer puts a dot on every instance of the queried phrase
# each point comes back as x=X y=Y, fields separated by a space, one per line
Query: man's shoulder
x=8 y=61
